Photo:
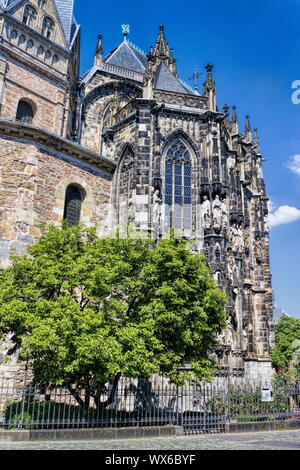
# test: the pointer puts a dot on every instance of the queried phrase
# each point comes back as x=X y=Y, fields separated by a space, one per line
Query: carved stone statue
x=231 y=163
x=218 y=252
x=217 y=277
x=232 y=270
x=217 y=212
x=206 y=212
x=233 y=236
x=225 y=213
x=227 y=336
x=156 y=207
x=259 y=250
x=207 y=251
x=237 y=239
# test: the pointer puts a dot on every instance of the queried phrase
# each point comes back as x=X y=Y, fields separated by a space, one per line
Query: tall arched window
x=29 y=15
x=48 y=27
x=177 y=188
x=25 y=112
x=73 y=201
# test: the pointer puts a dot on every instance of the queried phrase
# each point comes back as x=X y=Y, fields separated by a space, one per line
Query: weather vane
x=196 y=75
x=125 y=29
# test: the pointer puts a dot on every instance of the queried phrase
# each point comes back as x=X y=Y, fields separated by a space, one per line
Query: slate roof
x=165 y=80
x=65 y=13
x=127 y=56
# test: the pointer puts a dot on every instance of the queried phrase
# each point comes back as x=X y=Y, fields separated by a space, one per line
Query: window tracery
x=178 y=187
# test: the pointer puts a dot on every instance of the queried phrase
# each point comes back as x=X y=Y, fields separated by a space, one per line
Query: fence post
x=177 y=405
x=20 y=423
x=228 y=417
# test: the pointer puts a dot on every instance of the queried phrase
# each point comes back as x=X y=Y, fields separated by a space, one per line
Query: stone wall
x=104 y=96
x=33 y=181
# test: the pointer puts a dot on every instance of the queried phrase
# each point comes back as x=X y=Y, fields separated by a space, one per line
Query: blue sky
x=255 y=48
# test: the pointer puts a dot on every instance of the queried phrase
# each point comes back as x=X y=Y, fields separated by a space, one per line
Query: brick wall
x=45 y=96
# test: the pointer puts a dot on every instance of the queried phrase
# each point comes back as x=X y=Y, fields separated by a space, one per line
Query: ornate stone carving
x=232 y=270
x=226 y=338
x=217 y=212
x=156 y=201
x=206 y=212
x=236 y=238
x=183 y=100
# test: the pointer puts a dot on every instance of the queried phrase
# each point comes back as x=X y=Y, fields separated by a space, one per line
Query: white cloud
x=294 y=164
x=282 y=215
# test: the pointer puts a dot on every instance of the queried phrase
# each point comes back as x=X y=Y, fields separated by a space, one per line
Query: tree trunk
x=103 y=404
x=77 y=397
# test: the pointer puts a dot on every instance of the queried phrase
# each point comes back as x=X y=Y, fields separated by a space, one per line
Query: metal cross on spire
x=125 y=30
x=196 y=75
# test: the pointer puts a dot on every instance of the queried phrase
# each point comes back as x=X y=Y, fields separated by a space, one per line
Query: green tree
x=87 y=309
x=287 y=336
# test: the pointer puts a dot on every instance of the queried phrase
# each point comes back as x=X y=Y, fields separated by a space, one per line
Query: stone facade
x=145 y=150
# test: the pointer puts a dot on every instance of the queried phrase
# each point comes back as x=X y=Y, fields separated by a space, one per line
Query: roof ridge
x=186 y=85
x=136 y=47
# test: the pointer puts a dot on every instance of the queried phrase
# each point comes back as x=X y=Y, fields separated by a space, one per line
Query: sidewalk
x=274 y=440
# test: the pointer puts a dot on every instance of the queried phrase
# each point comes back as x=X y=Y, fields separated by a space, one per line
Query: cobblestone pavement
x=275 y=440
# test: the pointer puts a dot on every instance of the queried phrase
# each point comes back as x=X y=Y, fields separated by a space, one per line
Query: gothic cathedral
x=129 y=144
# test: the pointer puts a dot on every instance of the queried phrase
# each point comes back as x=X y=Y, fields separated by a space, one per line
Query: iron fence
x=198 y=407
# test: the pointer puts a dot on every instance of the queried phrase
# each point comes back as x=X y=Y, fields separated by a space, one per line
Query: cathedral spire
x=248 y=131
x=162 y=52
x=161 y=47
x=159 y=57
x=210 y=88
x=99 y=51
x=234 y=122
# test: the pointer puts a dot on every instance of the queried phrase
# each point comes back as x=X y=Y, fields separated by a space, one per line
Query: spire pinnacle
x=234 y=122
x=162 y=52
x=226 y=109
x=210 y=88
x=99 y=51
x=256 y=141
x=161 y=46
x=226 y=112
x=248 y=131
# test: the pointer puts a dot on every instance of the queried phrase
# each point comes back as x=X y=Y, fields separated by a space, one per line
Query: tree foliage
x=88 y=308
x=287 y=338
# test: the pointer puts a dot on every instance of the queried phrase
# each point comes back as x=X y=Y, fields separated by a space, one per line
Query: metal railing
x=197 y=407
x=115 y=69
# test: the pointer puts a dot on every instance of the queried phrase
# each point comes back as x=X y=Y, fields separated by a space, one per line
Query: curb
x=91 y=434
x=262 y=426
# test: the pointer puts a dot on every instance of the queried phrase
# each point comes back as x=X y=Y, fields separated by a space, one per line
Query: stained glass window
x=177 y=189
x=73 y=203
x=24 y=112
